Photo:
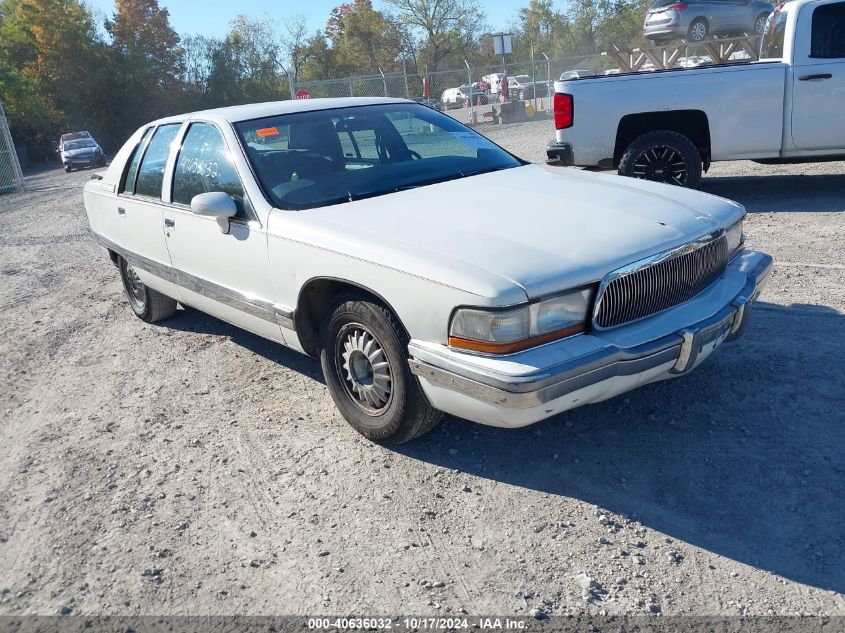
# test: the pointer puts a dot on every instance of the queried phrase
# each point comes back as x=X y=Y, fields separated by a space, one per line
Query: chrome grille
x=660 y=282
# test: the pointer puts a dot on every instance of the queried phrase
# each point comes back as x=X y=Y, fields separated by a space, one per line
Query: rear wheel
x=760 y=23
x=67 y=169
x=147 y=304
x=365 y=363
x=698 y=30
x=663 y=156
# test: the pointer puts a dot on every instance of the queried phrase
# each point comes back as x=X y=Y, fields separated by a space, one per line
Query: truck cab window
x=828 y=38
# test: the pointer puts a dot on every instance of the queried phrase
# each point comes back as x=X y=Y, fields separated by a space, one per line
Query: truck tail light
x=564 y=106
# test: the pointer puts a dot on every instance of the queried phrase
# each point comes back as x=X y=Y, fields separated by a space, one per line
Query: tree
x=546 y=28
x=364 y=39
x=296 y=45
x=146 y=56
x=446 y=31
x=246 y=66
x=49 y=57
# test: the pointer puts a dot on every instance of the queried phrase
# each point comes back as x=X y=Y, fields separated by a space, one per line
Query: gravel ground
x=191 y=468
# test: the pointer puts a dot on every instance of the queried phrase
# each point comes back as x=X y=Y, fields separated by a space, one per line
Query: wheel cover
x=661 y=163
x=760 y=24
x=699 y=31
x=135 y=289
x=364 y=369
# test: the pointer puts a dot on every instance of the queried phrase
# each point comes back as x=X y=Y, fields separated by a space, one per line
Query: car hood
x=539 y=229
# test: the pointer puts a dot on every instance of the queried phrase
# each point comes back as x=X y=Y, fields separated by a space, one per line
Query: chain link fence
x=11 y=178
x=412 y=85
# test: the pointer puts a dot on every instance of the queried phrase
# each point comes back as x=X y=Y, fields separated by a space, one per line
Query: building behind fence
x=11 y=178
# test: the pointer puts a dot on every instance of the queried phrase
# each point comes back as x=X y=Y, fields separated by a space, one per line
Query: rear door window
x=134 y=162
x=828 y=38
x=151 y=172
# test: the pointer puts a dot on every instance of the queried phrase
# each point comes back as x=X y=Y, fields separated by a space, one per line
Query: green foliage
x=58 y=74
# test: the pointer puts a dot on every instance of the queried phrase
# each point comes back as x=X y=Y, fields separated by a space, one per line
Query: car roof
x=234 y=114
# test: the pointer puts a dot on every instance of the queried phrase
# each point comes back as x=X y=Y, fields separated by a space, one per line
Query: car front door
x=818 y=76
x=134 y=224
x=725 y=15
x=223 y=267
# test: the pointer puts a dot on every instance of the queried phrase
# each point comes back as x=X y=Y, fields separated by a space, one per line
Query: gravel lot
x=191 y=468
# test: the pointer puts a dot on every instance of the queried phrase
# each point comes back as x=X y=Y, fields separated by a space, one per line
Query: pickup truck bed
x=669 y=125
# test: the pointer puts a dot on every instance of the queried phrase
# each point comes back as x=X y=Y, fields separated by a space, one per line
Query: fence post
x=405 y=73
x=383 y=80
x=471 y=100
x=291 y=86
x=351 y=94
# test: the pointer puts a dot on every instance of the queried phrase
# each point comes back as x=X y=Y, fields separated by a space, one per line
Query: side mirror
x=215 y=204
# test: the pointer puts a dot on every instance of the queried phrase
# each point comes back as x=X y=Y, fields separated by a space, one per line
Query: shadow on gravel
x=823 y=193
x=743 y=457
x=190 y=320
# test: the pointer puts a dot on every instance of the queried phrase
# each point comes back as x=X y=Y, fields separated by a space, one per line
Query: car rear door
x=223 y=267
x=818 y=78
x=132 y=220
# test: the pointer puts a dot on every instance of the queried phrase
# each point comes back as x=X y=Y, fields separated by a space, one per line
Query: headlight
x=513 y=329
x=736 y=238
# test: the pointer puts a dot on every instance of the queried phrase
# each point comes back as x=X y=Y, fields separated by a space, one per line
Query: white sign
x=503 y=44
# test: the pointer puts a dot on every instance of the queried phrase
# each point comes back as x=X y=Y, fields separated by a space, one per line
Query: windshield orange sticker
x=267 y=131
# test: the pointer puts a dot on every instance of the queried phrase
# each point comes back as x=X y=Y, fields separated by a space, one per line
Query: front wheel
x=663 y=156
x=148 y=305
x=365 y=363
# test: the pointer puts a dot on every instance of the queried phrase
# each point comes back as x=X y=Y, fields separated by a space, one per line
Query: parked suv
x=696 y=20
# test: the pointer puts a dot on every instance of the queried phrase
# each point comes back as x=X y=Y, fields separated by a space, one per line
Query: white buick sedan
x=429 y=269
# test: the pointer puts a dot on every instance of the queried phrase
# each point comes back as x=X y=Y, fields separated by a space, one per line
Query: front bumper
x=524 y=388
x=85 y=161
x=559 y=154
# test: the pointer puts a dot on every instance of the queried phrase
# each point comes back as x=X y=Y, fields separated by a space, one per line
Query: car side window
x=151 y=172
x=828 y=37
x=132 y=171
x=204 y=165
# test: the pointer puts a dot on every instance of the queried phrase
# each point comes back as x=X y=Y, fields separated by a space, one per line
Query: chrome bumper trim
x=253 y=306
x=681 y=348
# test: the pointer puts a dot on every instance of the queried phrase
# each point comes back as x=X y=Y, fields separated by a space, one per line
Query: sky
x=212 y=17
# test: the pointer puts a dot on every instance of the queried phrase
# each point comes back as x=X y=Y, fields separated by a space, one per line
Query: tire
x=67 y=169
x=364 y=357
x=663 y=156
x=698 y=30
x=760 y=23
x=147 y=304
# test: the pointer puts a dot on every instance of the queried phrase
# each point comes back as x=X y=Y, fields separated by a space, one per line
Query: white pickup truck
x=669 y=125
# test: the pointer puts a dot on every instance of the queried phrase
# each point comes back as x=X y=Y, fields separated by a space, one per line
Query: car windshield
x=325 y=157
x=523 y=79
x=80 y=144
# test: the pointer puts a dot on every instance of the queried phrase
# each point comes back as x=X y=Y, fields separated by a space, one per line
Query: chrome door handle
x=169 y=224
x=814 y=77
x=121 y=211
